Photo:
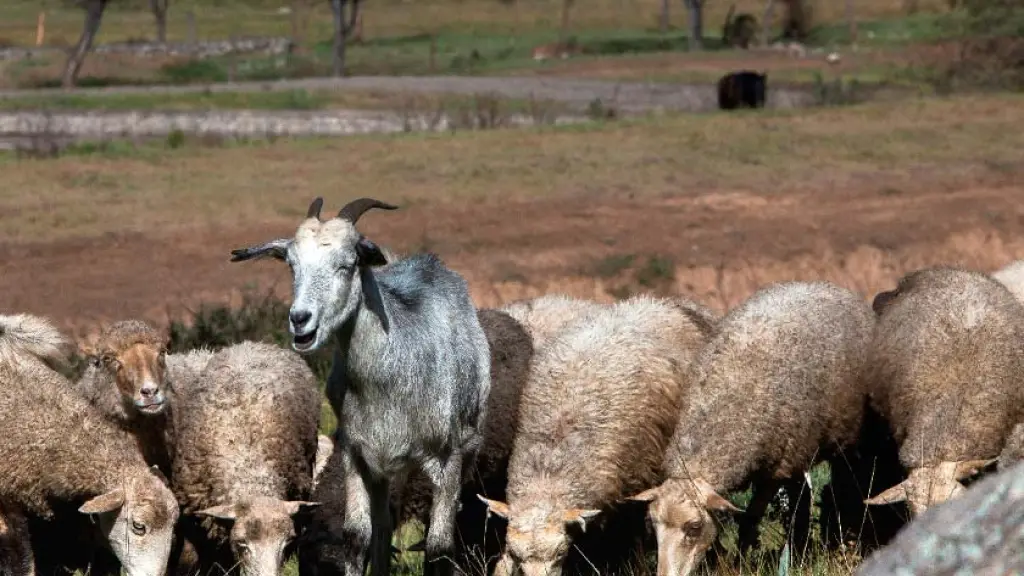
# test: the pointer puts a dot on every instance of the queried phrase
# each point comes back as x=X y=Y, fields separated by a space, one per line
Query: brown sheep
x=945 y=372
x=778 y=387
x=598 y=410
x=246 y=444
x=62 y=460
x=126 y=380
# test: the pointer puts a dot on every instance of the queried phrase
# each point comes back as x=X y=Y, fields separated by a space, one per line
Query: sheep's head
x=538 y=538
x=930 y=485
x=133 y=353
x=260 y=530
x=138 y=521
x=326 y=259
x=679 y=510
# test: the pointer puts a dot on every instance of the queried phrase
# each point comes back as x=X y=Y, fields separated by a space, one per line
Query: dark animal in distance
x=745 y=88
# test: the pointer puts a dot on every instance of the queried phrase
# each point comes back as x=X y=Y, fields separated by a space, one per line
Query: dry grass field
x=708 y=205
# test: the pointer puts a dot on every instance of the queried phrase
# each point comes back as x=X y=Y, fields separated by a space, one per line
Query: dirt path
x=719 y=246
x=629 y=96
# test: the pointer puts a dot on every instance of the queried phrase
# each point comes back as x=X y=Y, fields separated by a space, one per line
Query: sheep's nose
x=299 y=317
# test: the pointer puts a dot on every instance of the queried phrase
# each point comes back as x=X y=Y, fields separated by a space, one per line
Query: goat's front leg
x=447 y=478
x=358 y=523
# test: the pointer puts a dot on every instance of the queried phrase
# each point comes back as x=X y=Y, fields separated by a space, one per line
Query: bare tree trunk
x=911 y=6
x=93 y=17
x=665 y=15
x=851 y=20
x=341 y=31
x=766 y=22
x=159 y=8
x=563 y=34
x=696 y=11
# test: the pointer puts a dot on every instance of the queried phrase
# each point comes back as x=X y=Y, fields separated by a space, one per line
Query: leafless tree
x=342 y=29
x=159 y=8
x=93 y=16
x=695 y=8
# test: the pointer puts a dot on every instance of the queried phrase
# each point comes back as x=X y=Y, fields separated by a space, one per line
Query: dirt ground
x=721 y=246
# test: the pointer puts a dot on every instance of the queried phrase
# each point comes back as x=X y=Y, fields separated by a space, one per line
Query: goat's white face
x=138 y=522
x=324 y=258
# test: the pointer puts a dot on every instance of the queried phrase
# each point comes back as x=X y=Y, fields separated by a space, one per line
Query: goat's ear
x=495 y=507
x=103 y=503
x=369 y=254
x=224 y=512
x=273 y=249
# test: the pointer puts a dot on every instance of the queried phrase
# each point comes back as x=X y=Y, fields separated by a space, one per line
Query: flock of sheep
x=522 y=437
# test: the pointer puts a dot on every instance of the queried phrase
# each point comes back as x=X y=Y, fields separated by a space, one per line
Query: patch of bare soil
x=717 y=246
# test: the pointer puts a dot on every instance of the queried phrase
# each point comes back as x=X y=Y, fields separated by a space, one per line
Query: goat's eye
x=138 y=528
x=162 y=358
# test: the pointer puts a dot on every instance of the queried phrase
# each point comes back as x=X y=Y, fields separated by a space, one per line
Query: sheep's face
x=325 y=259
x=138 y=521
x=684 y=527
x=260 y=530
x=140 y=373
x=538 y=538
x=930 y=485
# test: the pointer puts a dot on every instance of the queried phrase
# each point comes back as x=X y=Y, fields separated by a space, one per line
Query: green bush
x=262 y=318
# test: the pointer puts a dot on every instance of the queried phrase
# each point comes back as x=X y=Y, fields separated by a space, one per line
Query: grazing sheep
x=1013 y=450
x=778 y=387
x=1012 y=276
x=63 y=461
x=981 y=532
x=410 y=379
x=598 y=410
x=744 y=89
x=15 y=547
x=246 y=445
x=511 y=353
x=945 y=372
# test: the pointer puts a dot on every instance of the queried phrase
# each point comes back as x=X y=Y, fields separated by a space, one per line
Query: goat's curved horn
x=354 y=209
x=314 y=208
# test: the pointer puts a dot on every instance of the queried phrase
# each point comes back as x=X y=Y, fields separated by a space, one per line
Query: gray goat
x=411 y=373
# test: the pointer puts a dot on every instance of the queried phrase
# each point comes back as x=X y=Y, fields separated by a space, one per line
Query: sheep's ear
x=273 y=249
x=649 y=495
x=294 y=506
x=369 y=254
x=716 y=502
x=712 y=499
x=224 y=512
x=108 y=502
x=968 y=468
x=897 y=493
x=579 y=516
x=495 y=507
